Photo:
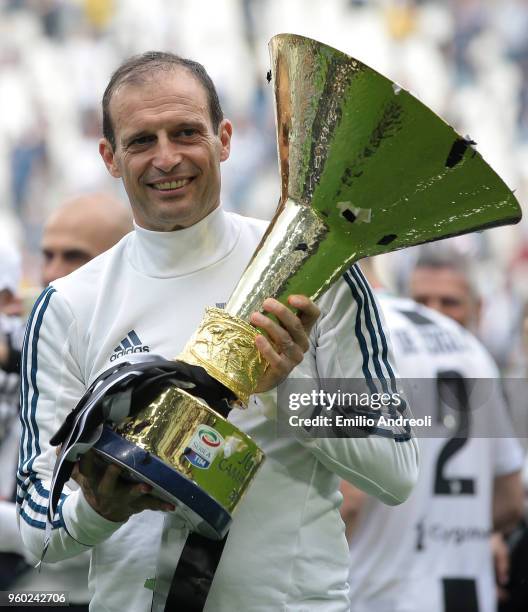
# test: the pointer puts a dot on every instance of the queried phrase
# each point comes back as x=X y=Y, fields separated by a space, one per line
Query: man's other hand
x=109 y=494
x=288 y=339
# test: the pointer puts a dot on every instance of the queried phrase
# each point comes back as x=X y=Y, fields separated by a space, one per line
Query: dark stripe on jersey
x=32 y=504
x=353 y=276
x=384 y=343
x=359 y=334
x=28 y=419
x=126 y=343
x=39 y=524
x=24 y=412
x=385 y=356
x=24 y=383
x=34 y=367
x=56 y=524
x=30 y=423
x=416 y=317
x=360 y=282
x=39 y=488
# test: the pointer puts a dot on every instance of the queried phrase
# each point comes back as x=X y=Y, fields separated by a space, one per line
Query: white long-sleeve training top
x=286 y=549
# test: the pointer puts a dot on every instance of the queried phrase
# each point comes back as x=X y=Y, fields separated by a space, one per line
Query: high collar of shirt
x=184 y=251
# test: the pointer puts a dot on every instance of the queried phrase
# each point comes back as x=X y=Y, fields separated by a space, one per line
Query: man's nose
x=167 y=155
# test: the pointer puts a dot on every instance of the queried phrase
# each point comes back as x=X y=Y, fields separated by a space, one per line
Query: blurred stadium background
x=466 y=59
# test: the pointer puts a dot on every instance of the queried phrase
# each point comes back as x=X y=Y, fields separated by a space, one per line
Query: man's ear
x=107 y=153
x=225 y=130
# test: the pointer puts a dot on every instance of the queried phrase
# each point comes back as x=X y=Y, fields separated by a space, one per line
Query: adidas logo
x=130 y=344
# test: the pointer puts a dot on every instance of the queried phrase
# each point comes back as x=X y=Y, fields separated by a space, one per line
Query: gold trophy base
x=190 y=454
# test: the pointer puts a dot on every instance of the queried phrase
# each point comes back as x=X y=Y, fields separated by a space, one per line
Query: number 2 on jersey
x=452 y=390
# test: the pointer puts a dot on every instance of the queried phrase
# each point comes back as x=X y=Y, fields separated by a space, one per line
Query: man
x=11 y=333
x=79 y=230
x=441 y=280
x=76 y=232
x=433 y=552
x=165 y=137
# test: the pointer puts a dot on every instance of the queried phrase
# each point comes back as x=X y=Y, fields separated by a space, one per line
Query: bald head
x=79 y=230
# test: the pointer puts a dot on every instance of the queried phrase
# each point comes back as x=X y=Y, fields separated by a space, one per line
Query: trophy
x=365 y=169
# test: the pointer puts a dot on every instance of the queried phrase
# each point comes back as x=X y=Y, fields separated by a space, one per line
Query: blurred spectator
x=468 y=288
x=79 y=230
x=11 y=333
x=99 y=13
x=441 y=280
x=27 y=153
x=51 y=86
x=433 y=552
x=75 y=233
x=10 y=272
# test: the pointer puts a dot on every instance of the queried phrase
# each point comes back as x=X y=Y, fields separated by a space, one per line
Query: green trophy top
x=380 y=168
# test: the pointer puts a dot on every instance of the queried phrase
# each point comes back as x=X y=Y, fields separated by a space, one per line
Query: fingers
x=87 y=466
x=291 y=329
x=76 y=475
x=287 y=339
x=149 y=502
x=289 y=323
x=110 y=494
x=291 y=341
x=109 y=482
x=291 y=332
x=142 y=500
x=307 y=311
x=139 y=490
x=280 y=363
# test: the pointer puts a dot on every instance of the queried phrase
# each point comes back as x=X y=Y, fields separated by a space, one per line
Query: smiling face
x=166 y=151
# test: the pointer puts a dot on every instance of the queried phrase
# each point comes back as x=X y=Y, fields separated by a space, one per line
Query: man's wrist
x=83 y=523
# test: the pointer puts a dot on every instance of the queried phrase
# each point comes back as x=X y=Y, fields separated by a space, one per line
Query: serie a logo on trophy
x=365 y=169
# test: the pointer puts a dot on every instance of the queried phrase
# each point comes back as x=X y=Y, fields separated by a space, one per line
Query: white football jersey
x=432 y=553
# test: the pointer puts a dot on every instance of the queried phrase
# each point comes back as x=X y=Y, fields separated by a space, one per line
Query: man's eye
x=188 y=132
x=75 y=256
x=141 y=140
x=449 y=302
